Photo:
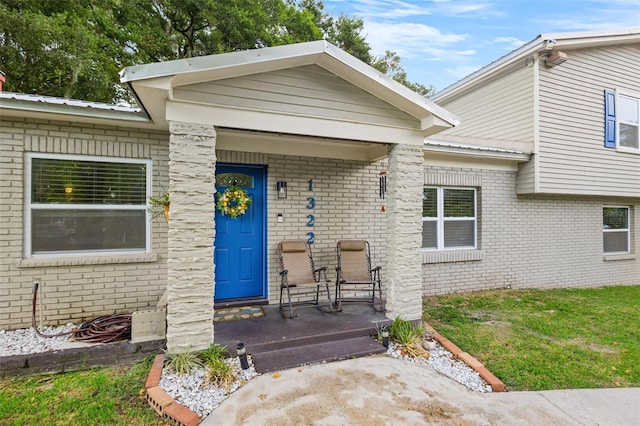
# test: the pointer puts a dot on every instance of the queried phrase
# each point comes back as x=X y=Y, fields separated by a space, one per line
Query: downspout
x=536 y=123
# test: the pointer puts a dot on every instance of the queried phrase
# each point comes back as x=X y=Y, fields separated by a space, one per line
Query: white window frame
x=83 y=253
x=627 y=230
x=441 y=220
x=634 y=97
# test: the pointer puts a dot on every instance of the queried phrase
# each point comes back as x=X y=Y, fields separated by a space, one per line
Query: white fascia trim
x=275 y=122
x=21 y=106
x=218 y=62
x=474 y=78
x=321 y=53
x=473 y=151
x=561 y=41
x=399 y=96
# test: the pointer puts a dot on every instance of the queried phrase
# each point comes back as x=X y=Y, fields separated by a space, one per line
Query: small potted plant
x=160 y=205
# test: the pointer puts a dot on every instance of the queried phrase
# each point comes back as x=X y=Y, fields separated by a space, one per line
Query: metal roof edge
x=319 y=52
x=476 y=151
x=220 y=61
x=390 y=84
x=70 y=107
x=565 y=39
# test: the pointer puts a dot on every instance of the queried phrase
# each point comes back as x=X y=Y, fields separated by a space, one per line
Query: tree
x=59 y=49
x=389 y=64
x=76 y=48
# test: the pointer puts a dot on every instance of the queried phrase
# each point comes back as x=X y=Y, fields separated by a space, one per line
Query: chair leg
x=290 y=305
x=329 y=296
x=382 y=309
x=338 y=298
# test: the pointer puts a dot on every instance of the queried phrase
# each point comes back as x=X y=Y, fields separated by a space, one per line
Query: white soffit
x=287 y=144
x=153 y=83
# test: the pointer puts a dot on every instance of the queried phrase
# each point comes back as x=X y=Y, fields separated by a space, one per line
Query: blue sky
x=442 y=41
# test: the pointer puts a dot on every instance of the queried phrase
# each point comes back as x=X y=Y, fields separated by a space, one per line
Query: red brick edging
x=495 y=383
x=162 y=402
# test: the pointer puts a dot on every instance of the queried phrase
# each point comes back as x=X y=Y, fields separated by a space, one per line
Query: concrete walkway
x=381 y=390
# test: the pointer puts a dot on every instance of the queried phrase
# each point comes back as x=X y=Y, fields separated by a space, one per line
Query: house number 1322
x=311 y=219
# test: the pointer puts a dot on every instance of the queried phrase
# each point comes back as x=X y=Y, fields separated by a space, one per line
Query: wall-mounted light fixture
x=281 y=189
x=555 y=58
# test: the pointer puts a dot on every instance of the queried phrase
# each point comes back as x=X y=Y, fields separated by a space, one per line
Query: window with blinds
x=616 y=236
x=82 y=204
x=449 y=218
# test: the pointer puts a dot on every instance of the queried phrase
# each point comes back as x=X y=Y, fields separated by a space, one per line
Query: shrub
x=214 y=352
x=404 y=331
x=182 y=362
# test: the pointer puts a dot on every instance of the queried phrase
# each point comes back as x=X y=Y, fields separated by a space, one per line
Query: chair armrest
x=375 y=273
x=317 y=273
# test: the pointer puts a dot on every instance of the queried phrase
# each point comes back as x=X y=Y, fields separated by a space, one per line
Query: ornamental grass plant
x=410 y=336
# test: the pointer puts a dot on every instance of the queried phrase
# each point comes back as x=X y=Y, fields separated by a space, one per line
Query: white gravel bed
x=25 y=340
x=445 y=363
x=189 y=390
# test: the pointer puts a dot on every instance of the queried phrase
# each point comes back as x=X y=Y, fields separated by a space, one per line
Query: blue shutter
x=609 y=118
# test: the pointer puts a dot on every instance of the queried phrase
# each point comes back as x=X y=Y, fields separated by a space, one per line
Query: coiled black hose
x=104 y=329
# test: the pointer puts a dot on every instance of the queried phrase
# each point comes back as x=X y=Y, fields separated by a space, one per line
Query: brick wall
x=347 y=206
x=526 y=241
x=74 y=289
x=529 y=241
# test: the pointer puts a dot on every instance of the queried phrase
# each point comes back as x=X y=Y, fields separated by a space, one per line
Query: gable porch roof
x=153 y=84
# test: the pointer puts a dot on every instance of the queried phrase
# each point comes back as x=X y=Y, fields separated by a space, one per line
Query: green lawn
x=102 y=396
x=530 y=339
x=547 y=339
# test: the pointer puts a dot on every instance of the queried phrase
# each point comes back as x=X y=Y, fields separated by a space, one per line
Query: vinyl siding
x=304 y=91
x=572 y=156
x=501 y=110
x=526 y=182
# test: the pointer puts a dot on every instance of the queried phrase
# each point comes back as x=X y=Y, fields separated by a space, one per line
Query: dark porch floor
x=314 y=336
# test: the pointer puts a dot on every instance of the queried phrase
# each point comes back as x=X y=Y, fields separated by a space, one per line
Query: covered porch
x=314 y=117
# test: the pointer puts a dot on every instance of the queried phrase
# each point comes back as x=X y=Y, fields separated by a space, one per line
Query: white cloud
x=399 y=9
x=407 y=39
x=462 y=71
x=511 y=42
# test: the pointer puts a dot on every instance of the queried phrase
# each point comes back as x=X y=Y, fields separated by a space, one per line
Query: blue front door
x=239 y=248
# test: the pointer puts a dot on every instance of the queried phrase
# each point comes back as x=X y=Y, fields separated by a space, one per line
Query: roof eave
x=478 y=152
x=575 y=40
x=215 y=67
x=26 y=108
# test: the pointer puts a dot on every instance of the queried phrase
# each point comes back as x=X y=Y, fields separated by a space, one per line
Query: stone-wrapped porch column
x=403 y=275
x=191 y=232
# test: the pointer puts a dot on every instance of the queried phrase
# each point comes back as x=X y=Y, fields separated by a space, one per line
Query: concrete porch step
x=326 y=351
x=286 y=340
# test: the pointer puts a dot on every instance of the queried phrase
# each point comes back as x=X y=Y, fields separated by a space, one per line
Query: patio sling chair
x=355 y=275
x=299 y=272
